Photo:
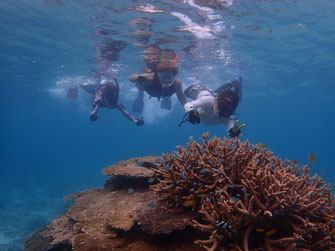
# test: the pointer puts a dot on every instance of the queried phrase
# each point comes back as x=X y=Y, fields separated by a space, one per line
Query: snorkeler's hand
x=142 y=80
x=139 y=122
x=94 y=117
x=235 y=131
x=194 y=116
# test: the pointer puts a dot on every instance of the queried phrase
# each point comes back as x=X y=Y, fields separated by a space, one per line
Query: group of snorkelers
x=210 y=107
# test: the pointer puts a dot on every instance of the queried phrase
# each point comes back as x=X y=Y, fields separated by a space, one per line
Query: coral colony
x=217 y=195
x=247 y=199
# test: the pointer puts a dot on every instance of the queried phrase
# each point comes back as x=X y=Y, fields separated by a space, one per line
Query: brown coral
x=248 y=198
x=122 y=216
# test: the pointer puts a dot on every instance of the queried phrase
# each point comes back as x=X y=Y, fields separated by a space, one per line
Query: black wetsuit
x=107 y=95
x=156 y=90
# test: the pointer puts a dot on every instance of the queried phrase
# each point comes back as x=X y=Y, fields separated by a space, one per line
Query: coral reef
x=123 y=215
x=248 y=199
x=214 y=195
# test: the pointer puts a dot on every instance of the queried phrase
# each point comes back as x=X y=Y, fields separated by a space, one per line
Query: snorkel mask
x=166 y=78
x=166 y=73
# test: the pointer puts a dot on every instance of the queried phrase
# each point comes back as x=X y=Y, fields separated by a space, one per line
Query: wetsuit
x=204 y=102
x=106 y=95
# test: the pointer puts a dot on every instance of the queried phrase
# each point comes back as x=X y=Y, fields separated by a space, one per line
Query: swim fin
x=138 y=104
x=166 y=103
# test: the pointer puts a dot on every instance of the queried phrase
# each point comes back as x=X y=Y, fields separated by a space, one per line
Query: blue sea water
x=285 y=51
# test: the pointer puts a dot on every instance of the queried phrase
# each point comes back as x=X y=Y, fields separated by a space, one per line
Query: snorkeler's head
x=167 y=66
x=226 y=103
x=166 y=73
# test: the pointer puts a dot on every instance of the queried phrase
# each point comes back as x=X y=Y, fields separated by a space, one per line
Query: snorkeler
x=214 y=107
x=106 y=95
x=162 y=83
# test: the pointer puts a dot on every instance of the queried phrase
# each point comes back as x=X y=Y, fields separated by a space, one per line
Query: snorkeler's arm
x=128 y=115
x=204 y=103
x=179 y=92
x=141 y=80
x=133 y=78
x=229 y=123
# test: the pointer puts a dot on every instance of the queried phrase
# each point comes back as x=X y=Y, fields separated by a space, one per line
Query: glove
x=138 y=104
x=235 y=131
x=194 y=117
x=166 y=103
x=142 y=80
x=139 y=122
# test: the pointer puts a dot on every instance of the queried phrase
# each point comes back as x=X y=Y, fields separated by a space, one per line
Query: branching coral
x=248 y=198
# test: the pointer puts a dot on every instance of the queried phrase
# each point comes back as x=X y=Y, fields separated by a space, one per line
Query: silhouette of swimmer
x=160 y=84
x=106 y=95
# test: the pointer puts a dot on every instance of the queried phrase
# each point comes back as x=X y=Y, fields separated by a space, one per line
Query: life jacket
x=157 y=91
x=193 y=90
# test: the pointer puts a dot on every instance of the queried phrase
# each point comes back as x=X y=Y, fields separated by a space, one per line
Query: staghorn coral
x=248 y=199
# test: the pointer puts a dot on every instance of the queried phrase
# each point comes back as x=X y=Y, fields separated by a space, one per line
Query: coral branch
x=244 y=194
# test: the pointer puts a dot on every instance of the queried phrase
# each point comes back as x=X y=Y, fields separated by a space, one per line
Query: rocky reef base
x=120 y=216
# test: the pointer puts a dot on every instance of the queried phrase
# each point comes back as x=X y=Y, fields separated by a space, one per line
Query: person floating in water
x=106 y=95
x=214 y=107
x=161 y=83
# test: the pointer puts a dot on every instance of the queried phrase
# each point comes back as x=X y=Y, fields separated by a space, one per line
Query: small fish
x=204 y=170
x=151 y=205
x=157 y=160
x=261 y=145
x=260 y=230
x=189 y=203
x=130 y=190
x=222 y=224
x=311 y=158
x=271 y=232
x=167 y=167
x=294 y=162
x=201 y=190
x=151 y=180
x=235 y=198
